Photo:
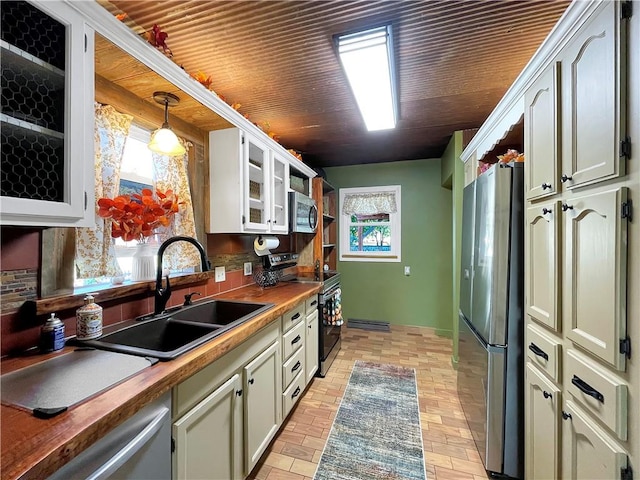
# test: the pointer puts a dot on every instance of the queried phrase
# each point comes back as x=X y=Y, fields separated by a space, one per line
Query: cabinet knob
x=251 y=380
x=546 y=185
x=565 y=415
x=239 y=393
x=546 y=210
x=546 y=394
x=565 y=178
x=566 y=207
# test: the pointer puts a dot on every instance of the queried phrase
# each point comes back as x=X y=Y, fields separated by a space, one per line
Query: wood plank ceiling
x=455 y=60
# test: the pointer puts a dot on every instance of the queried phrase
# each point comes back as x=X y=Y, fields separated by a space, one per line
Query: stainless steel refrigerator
x=490 y=367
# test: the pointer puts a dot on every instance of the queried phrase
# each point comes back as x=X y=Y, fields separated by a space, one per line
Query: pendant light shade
x=163 y=140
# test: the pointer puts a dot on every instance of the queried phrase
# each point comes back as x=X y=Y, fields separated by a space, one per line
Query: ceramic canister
x=89 y=320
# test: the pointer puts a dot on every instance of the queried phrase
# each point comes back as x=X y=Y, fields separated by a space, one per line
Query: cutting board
x=50 y=387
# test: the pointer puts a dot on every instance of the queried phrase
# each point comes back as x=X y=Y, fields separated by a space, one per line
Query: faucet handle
x=187 y=298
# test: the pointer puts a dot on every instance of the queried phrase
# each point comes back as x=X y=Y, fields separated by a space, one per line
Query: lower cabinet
x=312 y=354
x=263 y=413
x=226 y=414
x=208 y=439
x=588 y=451
x=542 y=426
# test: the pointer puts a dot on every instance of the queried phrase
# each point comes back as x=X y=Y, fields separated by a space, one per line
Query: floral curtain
x=369 y=203
x=170 y=173
x=95 y=255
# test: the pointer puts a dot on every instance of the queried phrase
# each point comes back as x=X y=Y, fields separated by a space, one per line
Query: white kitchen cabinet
x=248 y=185
x=589 y=452
x=46 y=122
x=279 y=204
x=595 y=259
x=542 y=426
x=541 y=270
x=263 y=409
x=312 y=355
x=541 y=135
x=208 y=439
x=594 y=99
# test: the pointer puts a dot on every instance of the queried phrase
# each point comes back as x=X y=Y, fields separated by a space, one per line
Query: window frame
x=395 y=221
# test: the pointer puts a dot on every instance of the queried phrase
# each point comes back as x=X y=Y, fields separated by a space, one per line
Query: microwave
x=303 y=213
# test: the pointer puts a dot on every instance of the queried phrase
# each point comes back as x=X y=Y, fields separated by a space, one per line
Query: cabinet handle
x=546 y=210
x=296 y=366
x=565 y=178
x=546 y=185
x=538 y=351
x=251 y=380
x=566 y=207
x=295 y=317
x=239 y=393
x=296 y=340
x=296 y=393
x=314 y=303
x=584 y=387
x=546 y=394
x=565 y=415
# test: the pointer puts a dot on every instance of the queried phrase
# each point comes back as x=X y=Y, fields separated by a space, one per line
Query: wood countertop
x=35 y=448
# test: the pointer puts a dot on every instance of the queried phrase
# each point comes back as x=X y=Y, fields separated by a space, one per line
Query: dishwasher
x=138 y=449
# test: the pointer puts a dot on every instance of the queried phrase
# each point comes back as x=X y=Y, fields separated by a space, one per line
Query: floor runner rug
x=376 y=433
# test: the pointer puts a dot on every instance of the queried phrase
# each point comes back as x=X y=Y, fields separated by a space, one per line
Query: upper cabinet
x=248 y=185
x=593 y=100
x=575 y=134
x=47 y=116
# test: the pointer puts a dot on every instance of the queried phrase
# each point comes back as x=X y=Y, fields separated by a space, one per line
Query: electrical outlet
x=407 y=271
x=248 y=268
x=220 y=274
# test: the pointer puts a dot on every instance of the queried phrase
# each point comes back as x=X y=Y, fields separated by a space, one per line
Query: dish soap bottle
x=88 y=320
x=52 y=334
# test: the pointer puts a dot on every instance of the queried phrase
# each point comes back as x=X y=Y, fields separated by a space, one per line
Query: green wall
x=453 y=177
x=380 y=291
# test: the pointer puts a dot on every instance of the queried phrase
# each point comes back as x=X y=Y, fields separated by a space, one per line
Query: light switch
x=407 y=270
x=248 y=268
x=220 y=274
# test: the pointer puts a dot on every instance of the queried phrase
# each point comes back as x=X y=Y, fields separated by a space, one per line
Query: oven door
x=331 y=320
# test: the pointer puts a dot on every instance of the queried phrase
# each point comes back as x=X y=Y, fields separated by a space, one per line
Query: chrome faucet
x=162 y=294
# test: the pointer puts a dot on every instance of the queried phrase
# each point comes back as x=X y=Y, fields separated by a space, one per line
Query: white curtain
x=170 y=173
x=95 y=255
x=369 y=203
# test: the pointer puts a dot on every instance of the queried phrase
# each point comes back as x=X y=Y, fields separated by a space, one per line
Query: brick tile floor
x=448 y=446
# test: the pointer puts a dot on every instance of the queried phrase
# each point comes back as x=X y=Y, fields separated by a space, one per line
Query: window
x=370 y=224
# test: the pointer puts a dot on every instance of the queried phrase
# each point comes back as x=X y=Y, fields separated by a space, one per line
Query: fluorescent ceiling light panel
x=367 y=59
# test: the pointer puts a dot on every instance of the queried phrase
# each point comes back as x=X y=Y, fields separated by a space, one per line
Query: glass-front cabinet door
x=256 y=186
x=278 y=219
x=46 y=130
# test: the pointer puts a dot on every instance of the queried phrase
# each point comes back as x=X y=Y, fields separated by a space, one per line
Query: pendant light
x=163 y=140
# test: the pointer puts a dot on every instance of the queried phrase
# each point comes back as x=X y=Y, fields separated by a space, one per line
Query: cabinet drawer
x=543 y=351
x=293 y=316
x=292 y=394
x=311 y=304
x=293 y=340
x=292 y=367
x=599 y=392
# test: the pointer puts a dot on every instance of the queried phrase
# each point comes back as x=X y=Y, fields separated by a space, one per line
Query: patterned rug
x=376 y=433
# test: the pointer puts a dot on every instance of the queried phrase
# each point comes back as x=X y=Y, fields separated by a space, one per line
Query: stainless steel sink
x=170 y=335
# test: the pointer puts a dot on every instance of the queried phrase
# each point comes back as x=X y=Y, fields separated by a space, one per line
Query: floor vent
x=368 y=324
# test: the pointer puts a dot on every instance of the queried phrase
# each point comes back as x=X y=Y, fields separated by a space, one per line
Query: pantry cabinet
x=248 y=185
x=577 y=253
x=46 y=124
x=542 y=426
x=312 y=354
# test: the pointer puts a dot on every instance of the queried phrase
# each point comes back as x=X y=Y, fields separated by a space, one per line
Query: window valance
x=369 y=203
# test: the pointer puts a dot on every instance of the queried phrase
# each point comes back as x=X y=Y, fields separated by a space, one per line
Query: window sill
x=106 y=293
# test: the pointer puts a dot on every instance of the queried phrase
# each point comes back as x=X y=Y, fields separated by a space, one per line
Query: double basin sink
x=169 y=335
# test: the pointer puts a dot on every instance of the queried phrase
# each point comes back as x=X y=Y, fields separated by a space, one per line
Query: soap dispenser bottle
x=89 y=320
